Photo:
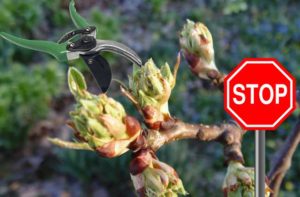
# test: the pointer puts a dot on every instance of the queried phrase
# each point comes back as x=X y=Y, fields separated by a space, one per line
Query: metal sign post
x=260 y=138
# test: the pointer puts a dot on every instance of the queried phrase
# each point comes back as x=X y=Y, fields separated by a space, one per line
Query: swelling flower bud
x=151 y=89
x=197 y=44
x=99 y=121
x=153 y=178
x=239 y=181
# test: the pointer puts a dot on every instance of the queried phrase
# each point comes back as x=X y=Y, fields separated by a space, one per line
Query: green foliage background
x=240 y=29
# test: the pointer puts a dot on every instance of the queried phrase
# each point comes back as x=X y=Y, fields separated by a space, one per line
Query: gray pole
x=260 y=137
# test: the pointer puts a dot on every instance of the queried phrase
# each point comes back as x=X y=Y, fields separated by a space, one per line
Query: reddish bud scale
x=231 y=189
x=192 y=60
x=106 y=150
x=154 y=125
x=168 y=124
x=132 y=125
x=204 y=41
x=213 y=74
x=149 y=112
x=175 y=174
x=225 y=192
x=138 y=143
x=138 y=165
x=140 y=162
x=141 y=192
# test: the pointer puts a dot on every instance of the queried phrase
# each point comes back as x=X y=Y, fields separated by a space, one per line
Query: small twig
x=229 y=135
x=217 y=79
x=70 y=145
x=283 y=159
x=120 y=83
x=127 y=94
x=176 y=67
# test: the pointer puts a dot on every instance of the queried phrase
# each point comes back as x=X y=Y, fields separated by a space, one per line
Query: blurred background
x=35 y=101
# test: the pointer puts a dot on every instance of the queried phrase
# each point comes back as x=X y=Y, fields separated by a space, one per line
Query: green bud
x=80 y=124
x=97 y=128
x=236 y=193
x=167 y=74
x=113 y=108
x=150 y=68
x=248 y=192
x=100 y=120
x=95 y=142
x=239 y=181
x=153 y=184
x=116 y=127
x=197 y=44
x=91 y=106
x=146 y=100
x=196 y=39
x=150 y=85
x=76 y=82
x=161 y=179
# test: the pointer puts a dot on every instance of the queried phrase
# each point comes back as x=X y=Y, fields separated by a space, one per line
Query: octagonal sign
x=259 y=93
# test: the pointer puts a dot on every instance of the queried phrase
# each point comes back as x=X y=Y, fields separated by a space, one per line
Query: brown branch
x=229 y=135
x=166 y=129
x=217 y=79
x=283 y=159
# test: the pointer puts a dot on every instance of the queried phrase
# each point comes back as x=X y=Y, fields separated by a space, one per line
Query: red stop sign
x=259 y=93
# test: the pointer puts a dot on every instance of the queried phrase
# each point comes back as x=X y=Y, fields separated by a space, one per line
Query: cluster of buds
x=151 y=88
x=197 y=45
x=239 y=181
x=153 y=178
x=99 y=121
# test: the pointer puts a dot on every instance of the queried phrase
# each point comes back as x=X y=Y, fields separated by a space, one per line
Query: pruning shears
x=81 y=43
x=89 y=48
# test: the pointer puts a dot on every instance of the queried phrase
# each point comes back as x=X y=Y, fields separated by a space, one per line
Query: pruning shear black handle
x=71 y=34
x=84 y=44
x=100 y=69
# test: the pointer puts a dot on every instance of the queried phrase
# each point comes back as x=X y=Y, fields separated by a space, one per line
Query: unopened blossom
x=153 y=178
x=100 y=121
x=197 y=45
x=151 y=88
x=239 y=181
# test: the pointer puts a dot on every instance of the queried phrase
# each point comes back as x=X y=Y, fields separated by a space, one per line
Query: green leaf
x=57 y=50
x=78 y=20
x=135 y=70
x=90 y=105
x=166 y=73
x=236 y=193
x=76 y=81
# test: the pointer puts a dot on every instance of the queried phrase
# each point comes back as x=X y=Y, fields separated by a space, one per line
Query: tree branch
x=283 y=159
x=229 y=135
x=217 y=79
